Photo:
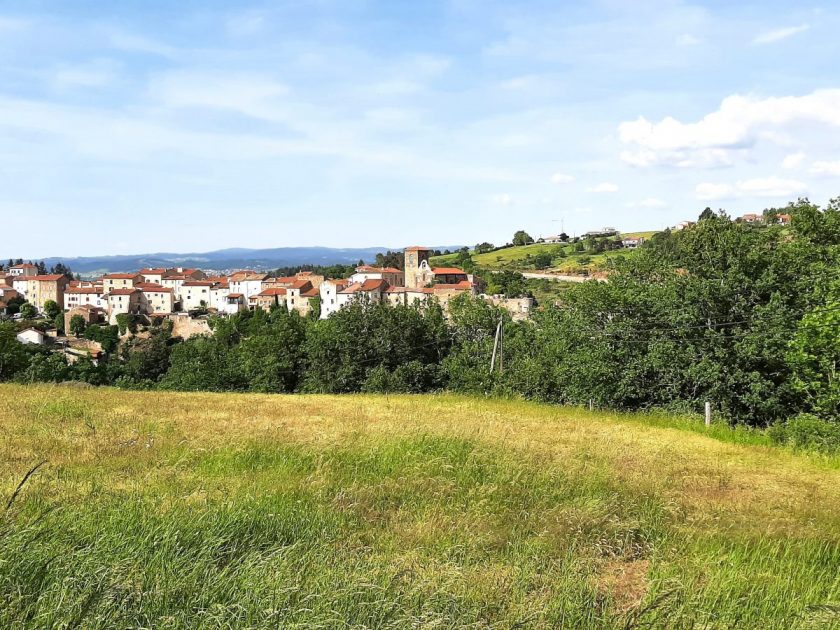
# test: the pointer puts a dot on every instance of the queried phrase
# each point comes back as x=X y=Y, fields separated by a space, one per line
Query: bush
x=807 y=432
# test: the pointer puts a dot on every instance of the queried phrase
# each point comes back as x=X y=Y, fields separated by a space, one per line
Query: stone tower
x=413 y=257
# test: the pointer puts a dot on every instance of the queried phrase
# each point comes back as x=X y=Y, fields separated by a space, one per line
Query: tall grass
x=206 y=511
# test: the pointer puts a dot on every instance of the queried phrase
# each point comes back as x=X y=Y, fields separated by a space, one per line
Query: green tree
x=77 y=325
x=51 y=309
x=13 y=355
x=58 y=322
x=27 y=311
x=521 y=237
x=483 y=248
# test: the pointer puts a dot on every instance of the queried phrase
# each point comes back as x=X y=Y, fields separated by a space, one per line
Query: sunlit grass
x=208 y=510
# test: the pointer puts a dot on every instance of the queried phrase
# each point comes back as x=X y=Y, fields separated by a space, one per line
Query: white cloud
x=687 y=39
x=649 y=202
x=771 y=187
x=502 y=199
x=139 y=44
x=756 y=187
x=826 y=168
x=603 y=187
x=562 y=178
x=794 y=160
x=777 y=35
x=93 y=74
x=250 y=95
x=730 y=132
x=708 y=191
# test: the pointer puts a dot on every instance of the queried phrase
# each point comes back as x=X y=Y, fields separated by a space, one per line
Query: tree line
x=746 y=317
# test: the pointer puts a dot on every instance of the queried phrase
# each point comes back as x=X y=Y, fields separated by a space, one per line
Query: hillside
x=564 y=258
x=208 y=510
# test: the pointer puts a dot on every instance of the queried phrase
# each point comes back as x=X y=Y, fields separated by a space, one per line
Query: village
x=187 y=296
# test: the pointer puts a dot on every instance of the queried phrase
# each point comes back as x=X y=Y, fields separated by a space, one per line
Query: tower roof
x=417 y=248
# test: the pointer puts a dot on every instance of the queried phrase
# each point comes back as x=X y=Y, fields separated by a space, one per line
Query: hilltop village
x=178 y=292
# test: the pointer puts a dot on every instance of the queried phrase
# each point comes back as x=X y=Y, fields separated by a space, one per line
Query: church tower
x=414 y=256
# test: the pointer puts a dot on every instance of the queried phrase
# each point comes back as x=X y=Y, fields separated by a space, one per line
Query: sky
x=131 y=127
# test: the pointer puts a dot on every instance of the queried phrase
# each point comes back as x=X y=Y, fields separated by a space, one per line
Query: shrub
x=807 y=432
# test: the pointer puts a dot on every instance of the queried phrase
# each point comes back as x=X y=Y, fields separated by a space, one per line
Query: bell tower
x=413 y=257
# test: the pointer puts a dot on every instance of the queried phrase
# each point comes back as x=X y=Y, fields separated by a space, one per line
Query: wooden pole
x=708 y=414
x=501 y=347
x=495 y=346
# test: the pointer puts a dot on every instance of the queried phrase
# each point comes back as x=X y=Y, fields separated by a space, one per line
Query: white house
x=329 y=295
x=218 y=295
x=79 y=296
x=394 y=277
x=247 y=283
x=31 y=335
x=195 y=294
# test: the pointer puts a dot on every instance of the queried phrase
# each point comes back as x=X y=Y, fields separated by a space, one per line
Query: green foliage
x=28 y=311
x=807 y=432
x=521 y=237
x=77 y=325
x=106 y=336
x=483 y=248
x=58 y=322
x=342 y=349
x=126 y=322
x=52 y=309
x=146 y=360
x=13 y=356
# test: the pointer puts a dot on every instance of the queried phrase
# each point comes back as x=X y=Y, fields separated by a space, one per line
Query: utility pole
x=496 y=345
x=501 y=346
x=708 y=414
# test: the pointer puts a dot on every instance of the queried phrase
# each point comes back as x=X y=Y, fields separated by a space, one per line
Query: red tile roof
x=464 y=285
x=234 y=295
x=197 y=283
x=311 y=293
x=448 y=271
x=373 y=284
x=123 y=291
x=417 y=248
x=47 y=278
x=84 y=290
x=273 y=291
x=120 y=276
x=157 y=271
x=372 y=269
x=24 y=266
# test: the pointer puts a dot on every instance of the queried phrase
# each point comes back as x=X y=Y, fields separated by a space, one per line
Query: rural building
x=268 y=298
x=113 y=281
x=195 y=294
x=329 y=295
x=247 y=283
x=31 y=336
x=26 y=269
x=85 y=295
x=234 y=302
x=632 y=242
x=153 y=275
x=124 y=301
x=394 y=277
x=158 y=299
x=417 y=270
x=37 y=290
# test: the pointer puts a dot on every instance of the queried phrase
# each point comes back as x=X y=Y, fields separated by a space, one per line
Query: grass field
x=211 y=510
x=516 y=258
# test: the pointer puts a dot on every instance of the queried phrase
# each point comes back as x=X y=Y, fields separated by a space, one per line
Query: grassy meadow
x=518 y=258
x=228 y=510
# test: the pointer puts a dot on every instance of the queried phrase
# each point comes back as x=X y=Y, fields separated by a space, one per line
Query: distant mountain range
x=226 y=259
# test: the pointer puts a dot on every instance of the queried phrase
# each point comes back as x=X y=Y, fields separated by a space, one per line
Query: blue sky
x=130 y=127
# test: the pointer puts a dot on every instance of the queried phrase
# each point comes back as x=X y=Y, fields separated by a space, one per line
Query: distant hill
x=225 y=259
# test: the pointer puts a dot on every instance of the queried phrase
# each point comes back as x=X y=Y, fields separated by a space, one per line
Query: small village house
x=31 y=336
